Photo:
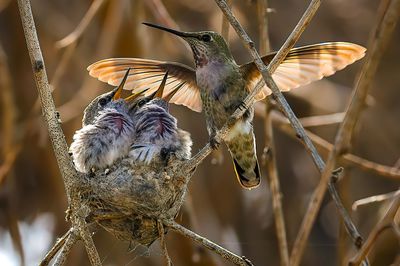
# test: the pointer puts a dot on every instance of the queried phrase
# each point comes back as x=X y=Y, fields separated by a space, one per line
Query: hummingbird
x=107 y=131
x=218 y=85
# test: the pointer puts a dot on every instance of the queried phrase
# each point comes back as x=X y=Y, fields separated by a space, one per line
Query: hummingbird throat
x=200 y=56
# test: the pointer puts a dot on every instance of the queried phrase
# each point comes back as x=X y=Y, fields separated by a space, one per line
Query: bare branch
x=80 y=29
x=226 y=254
x=66 y=248
x=300 y=132
x=377 y=44
x=161 y=231
x=269 y=158
x=57 y=246
x=374 y=199
x=385 y=222
x=57 y=137
x=225 y=24
x=11 y=147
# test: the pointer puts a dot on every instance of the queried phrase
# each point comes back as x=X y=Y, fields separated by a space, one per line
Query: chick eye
x=206 y=38
x=102 y=102
x=141 y=102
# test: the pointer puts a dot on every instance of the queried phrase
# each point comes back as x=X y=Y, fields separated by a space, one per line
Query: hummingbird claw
x=214 y=143
x=242 y=106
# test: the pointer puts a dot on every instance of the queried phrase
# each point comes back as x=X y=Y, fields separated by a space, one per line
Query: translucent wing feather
x=148 y=74
x=304 y=65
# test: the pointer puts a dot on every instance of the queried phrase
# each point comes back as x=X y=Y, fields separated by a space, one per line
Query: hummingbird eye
x=102 y=102
x=206 y=38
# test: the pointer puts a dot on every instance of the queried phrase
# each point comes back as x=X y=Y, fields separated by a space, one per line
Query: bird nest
x=129 y=199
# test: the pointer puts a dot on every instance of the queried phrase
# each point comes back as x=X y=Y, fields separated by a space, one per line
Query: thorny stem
x=57 y=137
x=226 y=254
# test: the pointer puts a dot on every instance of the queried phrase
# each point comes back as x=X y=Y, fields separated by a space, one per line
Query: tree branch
x=226 y=254
x=57 y=137
x=376 y=47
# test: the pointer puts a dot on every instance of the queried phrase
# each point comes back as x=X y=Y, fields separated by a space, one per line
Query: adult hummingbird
x=219 y=85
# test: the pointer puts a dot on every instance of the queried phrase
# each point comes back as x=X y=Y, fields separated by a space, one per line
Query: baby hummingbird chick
x=107 y=132
x=157 y=135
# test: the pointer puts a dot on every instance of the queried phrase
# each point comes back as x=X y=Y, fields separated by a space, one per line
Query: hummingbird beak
x=118 y=91
x=159 y=92
x=175 y=32
x=134 y=96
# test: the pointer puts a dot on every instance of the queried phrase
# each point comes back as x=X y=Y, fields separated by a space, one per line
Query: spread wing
x=180 y=87
x=304 y=65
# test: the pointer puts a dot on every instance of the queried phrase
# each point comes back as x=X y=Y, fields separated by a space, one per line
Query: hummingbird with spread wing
x=218 y=85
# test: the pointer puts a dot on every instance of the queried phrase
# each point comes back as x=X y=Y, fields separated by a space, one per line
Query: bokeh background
x=32 y=198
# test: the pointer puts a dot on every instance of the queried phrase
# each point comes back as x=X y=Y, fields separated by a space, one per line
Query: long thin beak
x=175 y=32
x=159 y=92
x=132 y=97
x=118 y=91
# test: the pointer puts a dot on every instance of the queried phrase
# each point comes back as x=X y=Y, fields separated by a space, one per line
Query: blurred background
x=32 y=197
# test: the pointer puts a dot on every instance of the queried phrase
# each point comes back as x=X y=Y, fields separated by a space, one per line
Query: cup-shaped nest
x=129 y=198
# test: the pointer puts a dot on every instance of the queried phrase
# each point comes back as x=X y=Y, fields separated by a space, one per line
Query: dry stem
x=66 y=248
x=269 y=148
x=265 y=71
x=384 y=223
x=161 y=231
x=376 y=47
x=226 y=254
x=57 y=246
x=57 y=137
x=80 y=29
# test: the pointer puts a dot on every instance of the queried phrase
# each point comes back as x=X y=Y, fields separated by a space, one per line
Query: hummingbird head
x=207 y=46
x=112 y=99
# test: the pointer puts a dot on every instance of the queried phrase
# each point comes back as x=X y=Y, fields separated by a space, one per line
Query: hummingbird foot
x=214 y=143
x=242 y=106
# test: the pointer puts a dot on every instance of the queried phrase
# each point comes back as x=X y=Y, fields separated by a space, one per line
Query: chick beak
x=118 y=90
x=134 y=96
x=159 y=92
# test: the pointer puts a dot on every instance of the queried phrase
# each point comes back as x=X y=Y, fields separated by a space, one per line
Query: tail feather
x=242 y=147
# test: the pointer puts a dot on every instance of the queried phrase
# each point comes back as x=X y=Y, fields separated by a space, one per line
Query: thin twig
x=374 y=199
x=347 y=159
x=163 y=244
x=225 y=24
x=263 y=26
x=377 y=44
x=162 y=16
x=66 y=249
x=80 y=29
x=57 y=246
x=384 y=223
x=269 y=157
x=265 y=71
x=57 y=137
x=226 y=254
x=10 y=147
x=376 y=48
